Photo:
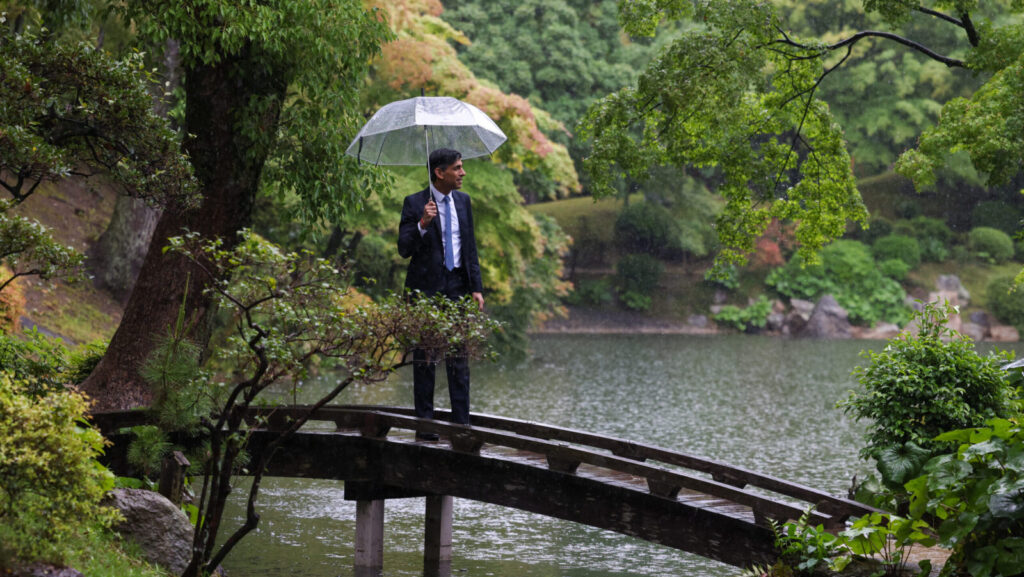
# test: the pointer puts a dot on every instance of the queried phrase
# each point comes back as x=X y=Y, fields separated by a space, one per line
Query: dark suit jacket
x=427 y=265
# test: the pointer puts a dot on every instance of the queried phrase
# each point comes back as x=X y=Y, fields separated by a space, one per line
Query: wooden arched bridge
x=682 y=501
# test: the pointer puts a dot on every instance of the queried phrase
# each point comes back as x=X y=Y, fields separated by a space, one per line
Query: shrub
x=374 y=268
x=990 y=244
x=894 y=268
x=50 y=481
x=996 y=214
x=877 y=228
x=648 y=227
x=900 y=247
x=849 y=273
x=591 y=292
x=932 y=234
x=922 y=385
x=637 y=276
x=753 y=316
x=1006 y=300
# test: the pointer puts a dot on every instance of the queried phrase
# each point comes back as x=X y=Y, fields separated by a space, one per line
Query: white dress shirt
x=442 y=209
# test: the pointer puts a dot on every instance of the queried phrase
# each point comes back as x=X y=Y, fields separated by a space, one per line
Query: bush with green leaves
x=637 y=276
x=848 y=272
x=898 y=246
x=894 y=268
x=933 y=235
x=50 y=480
x=754 y=316
x=375 y=270
x=43 y=364
x=990 y=245
x=648 y=227
x=922 y=385
x=593 y=292
x=976 y=493
x=1006 y=300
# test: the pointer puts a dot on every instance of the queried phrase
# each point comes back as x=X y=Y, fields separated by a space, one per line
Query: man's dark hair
x=442 y=158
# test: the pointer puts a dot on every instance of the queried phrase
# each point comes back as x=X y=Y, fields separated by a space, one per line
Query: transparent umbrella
x=404 y=132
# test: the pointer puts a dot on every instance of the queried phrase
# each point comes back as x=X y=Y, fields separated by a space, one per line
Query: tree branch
x=950 y=62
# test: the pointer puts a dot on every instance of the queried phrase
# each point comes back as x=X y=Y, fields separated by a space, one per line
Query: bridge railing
x=566 y=449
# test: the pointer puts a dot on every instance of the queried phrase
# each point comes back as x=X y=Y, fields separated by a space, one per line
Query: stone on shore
x=828 y=321
x=161 y=529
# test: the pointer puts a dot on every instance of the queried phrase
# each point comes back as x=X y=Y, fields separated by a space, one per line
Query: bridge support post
x=369 y=535
x=437 y=536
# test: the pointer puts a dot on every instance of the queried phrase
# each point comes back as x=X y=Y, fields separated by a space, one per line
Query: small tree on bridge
x=285 y=311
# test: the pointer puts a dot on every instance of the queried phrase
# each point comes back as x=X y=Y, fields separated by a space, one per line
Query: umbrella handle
x=426 y=140
x=359 y=153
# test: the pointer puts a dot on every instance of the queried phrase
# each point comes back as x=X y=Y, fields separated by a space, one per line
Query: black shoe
x=428 y=437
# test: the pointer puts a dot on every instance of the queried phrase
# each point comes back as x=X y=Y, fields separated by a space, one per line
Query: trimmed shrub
x=990 y=244
x=877 y=228
x=899 y=247
x=649 y=228
x=591 y=292
x=637 y=277
x=932 y=234
x=894 y=268
x=925 y=384
x=1006 y=301
x=998 y=215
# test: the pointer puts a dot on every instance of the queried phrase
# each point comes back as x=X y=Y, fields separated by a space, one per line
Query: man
x=436 y=231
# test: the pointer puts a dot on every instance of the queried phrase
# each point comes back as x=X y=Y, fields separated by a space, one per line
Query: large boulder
x=828 y=321
x=161 y=529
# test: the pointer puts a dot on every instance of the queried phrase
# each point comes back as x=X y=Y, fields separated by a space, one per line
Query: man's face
x=450 y=177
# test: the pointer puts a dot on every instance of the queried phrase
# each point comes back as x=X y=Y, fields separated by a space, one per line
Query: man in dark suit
x=436 y=232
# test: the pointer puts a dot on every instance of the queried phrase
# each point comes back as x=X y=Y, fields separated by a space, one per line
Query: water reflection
x=764 y=404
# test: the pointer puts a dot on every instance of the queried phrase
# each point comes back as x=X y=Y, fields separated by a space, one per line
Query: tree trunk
x=228 y=166
x=117 y=256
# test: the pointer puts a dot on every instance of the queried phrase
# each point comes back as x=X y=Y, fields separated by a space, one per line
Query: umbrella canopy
x=405 y=132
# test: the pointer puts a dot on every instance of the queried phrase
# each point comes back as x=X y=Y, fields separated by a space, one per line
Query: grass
x=104 y=554
x=583 y=217
x=974 y=276
x=76 y=314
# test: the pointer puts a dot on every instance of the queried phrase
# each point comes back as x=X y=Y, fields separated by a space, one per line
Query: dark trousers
x=456 y=365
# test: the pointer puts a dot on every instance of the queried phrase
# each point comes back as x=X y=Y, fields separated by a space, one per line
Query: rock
x=914 y=303
x=720 y=297
x=700 y=321
x=981 y=318
x=881 y=332
x=793 y=324
x=975 y=331
x=161 y=529
x=1003 y=334
x=715 y=309
x=776 y=321
x=802 y=307
x=778 y=306
x=951 y=283
x=828 y=321
x=44 y=570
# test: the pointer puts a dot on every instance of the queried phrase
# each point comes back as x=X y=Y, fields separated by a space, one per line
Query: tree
x=71 y=111
x=739 y=93
x=286 y=310
x=269 y=86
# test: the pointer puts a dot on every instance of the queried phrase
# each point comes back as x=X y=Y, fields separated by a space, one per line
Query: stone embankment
x=823 y=319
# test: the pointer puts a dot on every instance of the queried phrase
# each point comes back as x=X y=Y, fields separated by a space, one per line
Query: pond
x=761 y=403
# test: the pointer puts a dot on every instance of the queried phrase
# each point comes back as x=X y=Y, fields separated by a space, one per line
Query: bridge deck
x=680 y=500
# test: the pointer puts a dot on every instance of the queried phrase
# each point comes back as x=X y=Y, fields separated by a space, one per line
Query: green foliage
x=1006 y=300
x=922 y=385
x=304 y=62
x=933 y=236
x=892 y=538
x=848 y=272
x=721 y=96
x=899 y=247
x=287 y=310
x=649 y=228
x=591 y=292
x=50 y=481
x=70 y=106
x=894 y=268
x=809 y=547
x=990 y=244
x=28 y=249
x=42 y=365
x=753 y=316
x=376 y=269
x=975 y=493
x=997 y=214
x=637 y=276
